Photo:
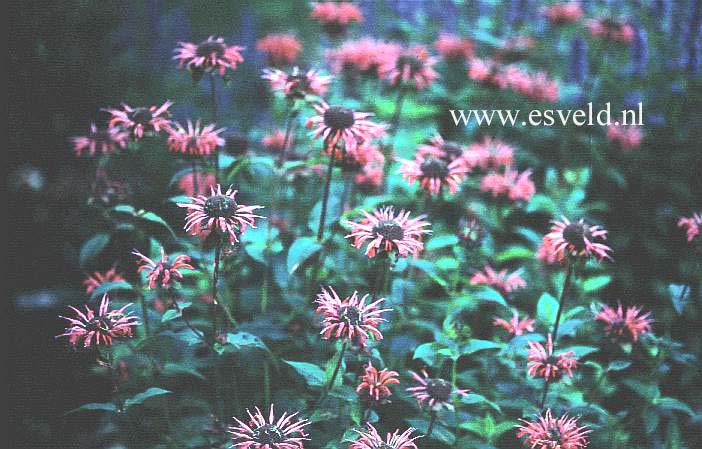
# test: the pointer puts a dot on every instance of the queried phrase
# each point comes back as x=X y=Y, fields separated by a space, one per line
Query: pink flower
x=544 y=363
x=628 y=321
x=441 y=149
x=275 y=140
x=413 y=66
x=220 y=212
x=374 y=386
x=435 y=392
x=389 y=233
x=433 y=173
x=336 y=16
x=163 y=271
x=610 y=28
x=489 y=153
x=692 y=226
x=105 y=141
x=626 y=137
x=297 y=84
x=262 y=433
x=550 y=433
x=140 y=120
x=351 y=318
x=212 y=55
x=195 y=140
x=336 y=124
x=282 y=49
x=578 y=240
x=454 y=48
x=371 y=439
x=512 y=184
x=546 y=253
x=501 y=281
x=563 y=13
x=364 y=56
x=95 y=280
x=515 y=326
x=487 y=72
x=93 y=329
x=204 y=182
x=369 y=179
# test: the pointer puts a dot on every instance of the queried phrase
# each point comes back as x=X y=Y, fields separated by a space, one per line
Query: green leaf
x=674 y=404
x=428 y=352
x=312 y=374
x=144 y=395
x=178 y=369
x=596 y=283
x=109 y=287
x=301 y=250
x=475 y=345
x=490 y=294
x=441 y=241
x=245 y=340
x=152 y=217
x=679 y=296
x=514 y=252
x=104 y=406
x=546 y=309
x=618 y=365
x=93 y=247
x=172 y=314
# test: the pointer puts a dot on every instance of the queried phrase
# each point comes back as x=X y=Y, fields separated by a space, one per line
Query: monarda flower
x=101 y=328
x=194 y=140
x=551 y=433
x=489 y=153
x=515 y=326
x=261 y=433
x=335 y=17
x=349 y=319
x=212 y=55
x=563 y=13
x=369 y=179
x=545 y=253
x=626 y=137
x=578 y=239
x=335 y=124
x=374 y=386
x=433 y=173
x=281 y=49
x=544 y=363
x=163 y=271
x=412 y=67
x=140 y=120
x=205 y=181
x=371 y=439
x=297 y=84
x=219 y=212
x=364 y=56
x=616 y=30
x=388 y=233
x=488 y=73
x=437 y=147
x=511 y=184
x=625 y=323
x=454 y=48
x=276 y=140
x=538 y=87
x=104 y=141
x=434 y=392
x=95 y=280
x=692 y=226
x=500 y=281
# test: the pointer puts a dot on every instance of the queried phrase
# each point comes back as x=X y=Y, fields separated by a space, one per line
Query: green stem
x=330 y=384
x=196 y=182
x=215 y=113
x=144 y=313
x=432 y=420
x=215 y=281
x=325 y=196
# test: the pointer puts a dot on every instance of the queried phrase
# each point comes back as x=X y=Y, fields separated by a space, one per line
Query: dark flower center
x=435 y=168
x=618 y=325
x=552 y=360
x=268 y=434
x=554 y=434
x=141 y=116
x=337 y=117
x=351 y=315
x=98 y=324
x=452 y=149
x=220 y=206
x=439 y=389
x=300 y=84
x=389 y=230
x=206 y=49
x=409 y=61
x=575 y=234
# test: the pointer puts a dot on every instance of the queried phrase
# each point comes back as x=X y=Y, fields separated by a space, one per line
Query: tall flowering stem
x=325 y=195
x=215 y=113
x=215 y=281
x=144 y=313
x=394 y=125
x=432 y=420
x=330 y=384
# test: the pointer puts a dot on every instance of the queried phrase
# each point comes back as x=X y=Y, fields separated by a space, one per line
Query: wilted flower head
x=205 y=181
x=297 y=84
x=94 y=329
x=413 y=67
x=626 y=137
x=95 y=280
x=336 y=124
x=563 y=13
x=501 y=281
x=351 y=318
x=212 y=55
x=617 y=30
x=511 y=184
x=434 y=173
x=489 y=153
x=454 y=48
x=336 y=16
x=544 y=363
x=551 y=433
x=140 y=120
x=389 y=233
x=105 y=141
x=163 y=271
x=515 y=326
x=436 y=393
x=628 y=322
x=437 y=147
x=220 y=212
x=371 y=439
x=262 y=433
x=374 y=386
x=282 y=49
x=364 y=56
x=692 y=226
x=195 y=140
x=577 y=239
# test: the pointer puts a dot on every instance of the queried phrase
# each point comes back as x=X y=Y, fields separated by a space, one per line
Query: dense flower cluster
x=548 y=432
x=95 y=328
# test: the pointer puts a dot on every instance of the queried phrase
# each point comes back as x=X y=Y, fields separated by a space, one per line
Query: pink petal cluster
x=389 y=233
x=412 y=66
x=205 y=181
x=374 y=386
x=211 y=55
x=434 y=174
x=692 y=226
x=162 y=272
x=282 y=49
x=363 y=56
x=553 y=433
x=501 y=281
x=625 y=322
x=489 y=153
x=371 y=439
x=297 y=83
x=436 y=393
x=140 y=120
x=263 y=432
x=563 y=13
x=95 y=280
x=626 y=137
x=544 y=363
x=99 y=328
x=195 y=140
x=511 y=184
x=335 y=17
x=103 y=141
x=454 y=48
x=515 y=326
x=337 y=124
x=617 y=30
x=577 y=239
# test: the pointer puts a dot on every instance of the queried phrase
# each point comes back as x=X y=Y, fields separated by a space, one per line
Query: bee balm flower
x=435 y=392
x=195 y=140
x=268 y=433
x=105 y=141
x=94 y=329
x=336 y=17
x=212 y=55
x=140 y=120
x=551 y=433
x=577 y=239
x=163 y=271
x=374 y=386
x=282 y=49
x=501 y=281
x=544 y=363
x=629 y=322
x=95 y=280
x=297 y=84
x=389 y=233
x=434 y=173
x=371 y=439
x=515 y=326
x=337 y=124
x=412 y=67
x=692 y=226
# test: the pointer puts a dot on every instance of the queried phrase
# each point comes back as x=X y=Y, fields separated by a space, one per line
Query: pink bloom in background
x=275 y=140
x=563 y=13
x=442 y=149
x=489 y=153
x=487 y=72
x=454 y=48
x=512 y=184
x=692 y=226
x=389 y=233
x=374 y=386
x=613 y=29
x=104 y=141
x=335 y=17
x=351 y=319
x=541 y=88
x=94 y=329
x=281 y=49
x=436 y=393
x=95 y=280
x=212 y=55
x=515 y=326
x=577 y=239
x=500 y=281
x=365 y=56
x=433 y=174
x=629 y=322
x=626 y=137
x=369 y=179
x=371 y=439
x=412 y=66
x=204 y=182
x=336 y=124
x=544 y=363
x=219 y=211
x=194 y=140
x=140 y=120
x=553 y=433
x=260 y=432
x=546 y=253
x=163 y=271
x=297 y=84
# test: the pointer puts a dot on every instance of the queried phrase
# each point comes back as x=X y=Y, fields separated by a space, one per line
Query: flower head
x=692 y=226
x=550 y=433
x=212 y=55
x=439 y=148
x=163 y=271
x=454 y=48
x=626 y=137
x=350 y=318
x=205 y=181
x=282 y=49
x=195 y=140
x=563 y=13
x=577 y=239
x=389 y=233
x=99 y=328
x=412 y=66
x=363 y=56
x=105 y=141
x=371 y=439
x=617 y=30
x=511 y=184
x=95 y=280
x=434 y=392
x=140 y=120
x=297 y=84
x=544 y=363
x=275 y=141
x=515 y=326
x=335 y=17
x=337 y=124
x=268 y=433
x=374 y=386
x=220 y=212
x=489 y=153
x=501 y=281
x=625 y=322
x=433 y=173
